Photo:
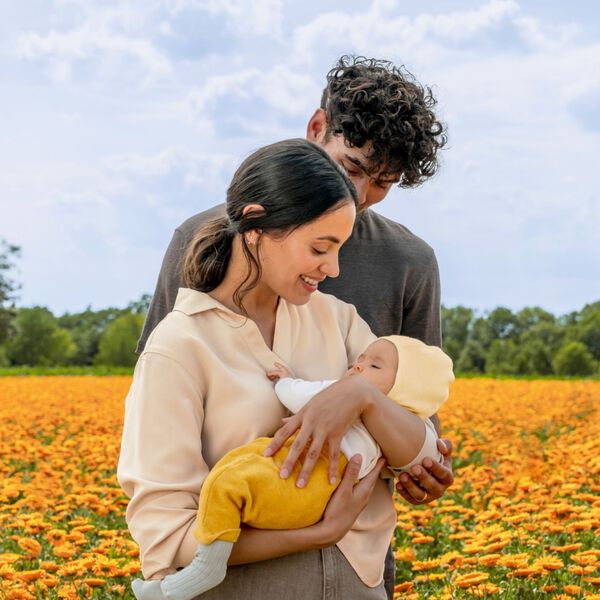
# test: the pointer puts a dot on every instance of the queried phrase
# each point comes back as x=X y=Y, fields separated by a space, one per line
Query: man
x=377 y=122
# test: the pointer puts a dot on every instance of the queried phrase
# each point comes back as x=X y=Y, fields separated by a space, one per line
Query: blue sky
x=121 y=119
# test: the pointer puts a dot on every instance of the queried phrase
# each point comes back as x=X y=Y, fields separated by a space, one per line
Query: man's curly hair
x=369 y=100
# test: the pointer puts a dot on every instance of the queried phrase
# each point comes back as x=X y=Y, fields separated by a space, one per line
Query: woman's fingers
x=350 y=474
x=364 y=488
x=334 y=459
x=294 y=453
x=310 y=460
x=282 y=434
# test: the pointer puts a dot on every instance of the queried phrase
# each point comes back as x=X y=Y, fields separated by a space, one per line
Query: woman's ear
x=251 y=237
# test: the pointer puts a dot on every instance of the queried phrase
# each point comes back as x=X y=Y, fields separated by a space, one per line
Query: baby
x=245 y=486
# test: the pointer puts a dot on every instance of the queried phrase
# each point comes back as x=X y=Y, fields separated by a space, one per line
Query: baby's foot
x=147 y=590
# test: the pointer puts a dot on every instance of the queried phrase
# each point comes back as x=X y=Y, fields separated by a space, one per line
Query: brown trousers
x=314 y=575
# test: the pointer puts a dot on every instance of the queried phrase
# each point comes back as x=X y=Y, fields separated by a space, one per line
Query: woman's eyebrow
x=328 y=238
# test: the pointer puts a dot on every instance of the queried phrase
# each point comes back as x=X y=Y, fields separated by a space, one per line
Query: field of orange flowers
x=521 y=521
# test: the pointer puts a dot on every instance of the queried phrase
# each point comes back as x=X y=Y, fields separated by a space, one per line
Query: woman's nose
x=331 y=268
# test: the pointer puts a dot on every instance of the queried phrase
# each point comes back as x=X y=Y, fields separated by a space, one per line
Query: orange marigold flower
x=572 y=590
x=489 y=560
x=19 y=595
x=30 y=575
x=31 y=546
x=406 y=554
x=422 y=539
x=567 y=548
x=484 y=590
x=470 y=579
x=550 y=563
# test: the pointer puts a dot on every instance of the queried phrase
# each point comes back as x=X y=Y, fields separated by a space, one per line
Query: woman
x=200 y=390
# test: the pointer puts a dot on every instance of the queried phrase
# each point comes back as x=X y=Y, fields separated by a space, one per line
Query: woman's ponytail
x=207 y=257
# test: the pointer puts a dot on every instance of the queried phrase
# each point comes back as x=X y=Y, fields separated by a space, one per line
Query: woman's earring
x=251 y=239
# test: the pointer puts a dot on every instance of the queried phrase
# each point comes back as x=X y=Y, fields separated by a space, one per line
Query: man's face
x=372 y=187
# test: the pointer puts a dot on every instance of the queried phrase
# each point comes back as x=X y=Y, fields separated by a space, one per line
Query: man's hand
x=430 y=480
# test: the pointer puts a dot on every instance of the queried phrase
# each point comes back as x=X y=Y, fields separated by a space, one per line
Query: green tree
x=574 y=359
x=587 y=329
x=38 y=340
x=535 y=358
x=455 y=327
x=8 y=287
x=503 y=323
x=471 y=359
x=86 y=329
x=482 y=333
x=505 y=358
x=117 y=346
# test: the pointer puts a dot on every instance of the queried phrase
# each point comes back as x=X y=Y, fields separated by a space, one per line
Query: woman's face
x=293 y=265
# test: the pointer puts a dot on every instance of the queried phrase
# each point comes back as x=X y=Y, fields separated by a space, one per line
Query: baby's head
x=378 y=364
x=408 y=371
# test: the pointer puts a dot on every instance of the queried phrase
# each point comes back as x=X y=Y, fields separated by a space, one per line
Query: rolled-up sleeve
x=161 y=467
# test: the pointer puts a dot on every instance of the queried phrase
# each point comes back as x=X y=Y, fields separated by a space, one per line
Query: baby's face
x=378 y=364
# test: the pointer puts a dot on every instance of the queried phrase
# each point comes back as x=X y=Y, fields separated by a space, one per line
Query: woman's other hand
x=322 y=421
x=348 y=501
x=430 y=479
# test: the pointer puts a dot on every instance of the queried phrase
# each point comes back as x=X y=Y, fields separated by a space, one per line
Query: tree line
x=531 y=341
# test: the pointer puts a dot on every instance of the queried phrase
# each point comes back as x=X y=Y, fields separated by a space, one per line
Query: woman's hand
x=348 y=501
x=323 y=420
x=432 y=478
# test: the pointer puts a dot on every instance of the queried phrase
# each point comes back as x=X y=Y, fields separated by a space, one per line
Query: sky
x=121 y=119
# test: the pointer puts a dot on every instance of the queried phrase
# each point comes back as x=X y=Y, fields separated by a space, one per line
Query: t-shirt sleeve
x=170 y=279
x=422 y=312
x=295 y=393
x=161 y=467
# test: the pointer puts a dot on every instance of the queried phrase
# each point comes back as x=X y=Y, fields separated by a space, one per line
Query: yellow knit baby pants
x=245 y=487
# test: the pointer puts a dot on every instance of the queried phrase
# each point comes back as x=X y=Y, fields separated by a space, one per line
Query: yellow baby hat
x=423 y=378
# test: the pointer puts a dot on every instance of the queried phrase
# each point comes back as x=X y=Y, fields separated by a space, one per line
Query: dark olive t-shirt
x=387 y=272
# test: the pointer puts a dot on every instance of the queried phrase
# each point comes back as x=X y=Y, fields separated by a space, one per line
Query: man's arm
x=421 y=317
x=422 y=320
x=170 y=279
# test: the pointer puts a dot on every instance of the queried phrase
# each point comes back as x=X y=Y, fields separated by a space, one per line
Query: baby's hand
x=279 y=372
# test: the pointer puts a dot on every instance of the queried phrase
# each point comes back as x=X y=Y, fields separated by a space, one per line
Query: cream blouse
x=199 y=390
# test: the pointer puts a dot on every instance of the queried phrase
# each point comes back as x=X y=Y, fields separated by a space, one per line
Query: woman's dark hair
x=372 y=101
x=295 y=181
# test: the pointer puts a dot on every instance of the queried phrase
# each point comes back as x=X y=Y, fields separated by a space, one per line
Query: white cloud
x=201 y=100
x=281 y=88
x=250 y=17
x=382 y=30
x=112 y=36
x=193 y=168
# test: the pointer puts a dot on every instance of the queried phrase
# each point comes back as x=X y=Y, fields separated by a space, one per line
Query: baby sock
x=207 y=570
